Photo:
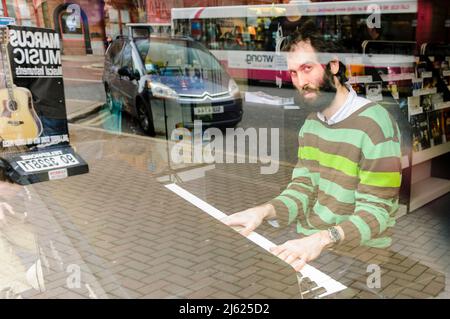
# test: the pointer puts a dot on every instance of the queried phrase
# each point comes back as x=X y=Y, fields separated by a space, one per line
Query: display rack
x=427 y=182
x=424 y=186
x=425 y=172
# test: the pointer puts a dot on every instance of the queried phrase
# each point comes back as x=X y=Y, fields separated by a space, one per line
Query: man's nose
x=301 y=80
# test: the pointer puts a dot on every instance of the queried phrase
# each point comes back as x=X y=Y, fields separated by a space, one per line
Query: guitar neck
x=7 y=70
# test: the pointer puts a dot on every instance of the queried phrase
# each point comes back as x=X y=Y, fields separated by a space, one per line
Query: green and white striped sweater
x=348 y=174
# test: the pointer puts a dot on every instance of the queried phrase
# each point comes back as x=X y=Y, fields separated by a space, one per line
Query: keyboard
x=312 y=282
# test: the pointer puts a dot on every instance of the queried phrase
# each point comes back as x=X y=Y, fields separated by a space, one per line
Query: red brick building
x=80 y=23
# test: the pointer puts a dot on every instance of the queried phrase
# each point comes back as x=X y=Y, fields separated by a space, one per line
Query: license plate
x=203 y=110
x=47 y=163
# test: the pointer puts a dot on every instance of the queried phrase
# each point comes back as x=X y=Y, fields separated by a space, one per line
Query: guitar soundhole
x=12 y=105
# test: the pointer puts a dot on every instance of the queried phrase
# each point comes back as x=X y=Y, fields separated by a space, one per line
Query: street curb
x=81 y=58
x=94 y=66
x=95 y=108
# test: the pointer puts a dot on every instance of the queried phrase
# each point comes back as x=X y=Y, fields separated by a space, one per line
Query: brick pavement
x=134 y=239
x=418 y=275
x=131 y=238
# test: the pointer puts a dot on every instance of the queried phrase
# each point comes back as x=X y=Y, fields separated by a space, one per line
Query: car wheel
x=145 y=119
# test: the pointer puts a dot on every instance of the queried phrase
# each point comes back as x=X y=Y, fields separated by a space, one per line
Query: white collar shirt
x=351 y=105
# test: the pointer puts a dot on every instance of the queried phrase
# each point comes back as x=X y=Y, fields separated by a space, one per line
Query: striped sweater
x=348 y=174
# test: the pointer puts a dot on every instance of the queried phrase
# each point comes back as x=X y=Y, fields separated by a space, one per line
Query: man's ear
x=334 y=66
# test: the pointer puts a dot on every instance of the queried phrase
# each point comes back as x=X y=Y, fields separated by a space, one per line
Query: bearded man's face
x=314 y=82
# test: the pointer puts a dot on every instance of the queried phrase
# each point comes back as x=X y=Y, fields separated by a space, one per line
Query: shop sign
x=32 y=107
x=258 y=60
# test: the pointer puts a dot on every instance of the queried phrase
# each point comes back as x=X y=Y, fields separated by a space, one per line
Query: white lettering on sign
x=35 y=53
x=37 y=39
x=251 y=58
x=40 y=155
x=264 y=60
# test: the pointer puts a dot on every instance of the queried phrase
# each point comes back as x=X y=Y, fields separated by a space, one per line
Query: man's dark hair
x=308 y=32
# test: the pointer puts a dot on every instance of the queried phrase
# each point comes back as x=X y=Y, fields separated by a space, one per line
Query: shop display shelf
x=430 y=153
x=426 y=190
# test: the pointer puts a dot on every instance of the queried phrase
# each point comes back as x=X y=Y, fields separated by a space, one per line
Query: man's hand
x=5 y=207
x=300 y=251
x=250 y=219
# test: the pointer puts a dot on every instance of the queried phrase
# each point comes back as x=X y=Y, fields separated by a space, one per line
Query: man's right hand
x=250 y=218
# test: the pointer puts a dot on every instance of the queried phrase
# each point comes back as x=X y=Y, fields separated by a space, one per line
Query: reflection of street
x=39 y=254
x=130 y=220
x=82 y=78
x=288 y=121
x=133 y=238
x=113 y=121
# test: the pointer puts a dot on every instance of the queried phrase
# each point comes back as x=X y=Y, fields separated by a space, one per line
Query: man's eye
x=292 y=73
x=307 y=68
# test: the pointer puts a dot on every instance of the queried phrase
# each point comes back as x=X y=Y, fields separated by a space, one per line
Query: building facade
x=84 y=25
x=80 y=23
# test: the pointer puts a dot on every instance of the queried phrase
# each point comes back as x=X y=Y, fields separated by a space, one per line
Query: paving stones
x=136 y=239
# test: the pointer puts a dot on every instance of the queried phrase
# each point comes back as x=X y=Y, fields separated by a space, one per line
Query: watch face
x=334 y=234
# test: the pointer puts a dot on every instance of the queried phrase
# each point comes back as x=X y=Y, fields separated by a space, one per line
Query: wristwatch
x=334 y=234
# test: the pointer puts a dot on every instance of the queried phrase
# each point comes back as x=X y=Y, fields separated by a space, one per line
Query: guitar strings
x=4 y=80
x=3 y=64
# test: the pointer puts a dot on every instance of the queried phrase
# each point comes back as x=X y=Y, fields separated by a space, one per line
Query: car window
x=114 y=51
x=127 y=59
x=180 y=55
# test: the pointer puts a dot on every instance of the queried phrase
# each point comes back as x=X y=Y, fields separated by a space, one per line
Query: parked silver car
x=158 y=78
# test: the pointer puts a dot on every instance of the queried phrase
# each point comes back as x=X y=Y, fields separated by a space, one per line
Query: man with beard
x=345 y=187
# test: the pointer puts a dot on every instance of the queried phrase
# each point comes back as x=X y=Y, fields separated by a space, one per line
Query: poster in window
x=32 y=109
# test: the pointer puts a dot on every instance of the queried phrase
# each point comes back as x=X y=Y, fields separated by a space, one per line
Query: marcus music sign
x=35 y=53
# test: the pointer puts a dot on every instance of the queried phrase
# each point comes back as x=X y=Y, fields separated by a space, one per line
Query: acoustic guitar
x=18 y=118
